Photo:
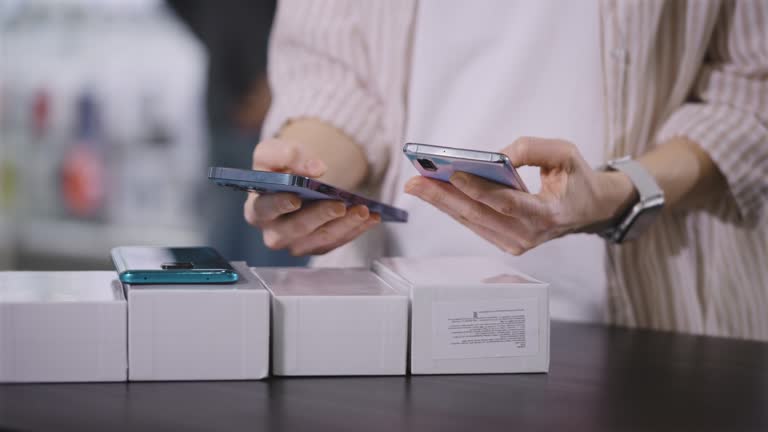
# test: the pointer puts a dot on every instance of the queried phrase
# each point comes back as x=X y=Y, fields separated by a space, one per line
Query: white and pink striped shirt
x=697 y=69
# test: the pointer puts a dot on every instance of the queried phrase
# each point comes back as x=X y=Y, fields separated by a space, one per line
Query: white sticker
x=485 y=328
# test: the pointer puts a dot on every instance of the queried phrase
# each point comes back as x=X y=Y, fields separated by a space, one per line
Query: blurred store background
x=110 y=113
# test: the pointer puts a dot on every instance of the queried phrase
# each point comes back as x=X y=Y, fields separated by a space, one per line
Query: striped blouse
x=697 y=69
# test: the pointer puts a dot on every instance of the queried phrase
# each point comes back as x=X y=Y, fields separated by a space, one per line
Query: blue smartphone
x=171 y=265
x=268 y=182
x=440 y=163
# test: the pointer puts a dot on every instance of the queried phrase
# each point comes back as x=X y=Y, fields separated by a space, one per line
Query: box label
x=485 y=328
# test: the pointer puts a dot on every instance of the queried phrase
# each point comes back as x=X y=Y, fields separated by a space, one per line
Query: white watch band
x=645 y=211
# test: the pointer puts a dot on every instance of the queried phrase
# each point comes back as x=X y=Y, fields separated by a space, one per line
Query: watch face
x=640 y=223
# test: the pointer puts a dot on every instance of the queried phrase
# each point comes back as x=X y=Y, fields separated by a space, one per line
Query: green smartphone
x=171 y=265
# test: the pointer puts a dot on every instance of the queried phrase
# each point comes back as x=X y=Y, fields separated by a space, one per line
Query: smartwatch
x=645 y=211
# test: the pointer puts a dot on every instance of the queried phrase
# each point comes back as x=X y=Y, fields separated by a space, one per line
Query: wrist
x=617 y=194
x=345 y=159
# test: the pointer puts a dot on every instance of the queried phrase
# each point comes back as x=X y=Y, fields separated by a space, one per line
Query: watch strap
x=651 y=196
x=644 y=182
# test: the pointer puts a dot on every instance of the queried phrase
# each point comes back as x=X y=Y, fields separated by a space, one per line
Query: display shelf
x=90 y=240
x=6 y=242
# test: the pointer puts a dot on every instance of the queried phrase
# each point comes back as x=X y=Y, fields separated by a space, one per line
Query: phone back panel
x=498 y=172
x=264 y=182
x=266 y=188
x=146 y=265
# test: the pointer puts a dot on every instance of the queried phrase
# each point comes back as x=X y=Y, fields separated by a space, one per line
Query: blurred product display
x=235 y=34
x=82 y=176
x=8 y=165
x=102 y=128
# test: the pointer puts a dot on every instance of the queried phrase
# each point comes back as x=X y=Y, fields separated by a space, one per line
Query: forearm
x=346 y=162
x=574 y=197
x=682 y=169
x=686 y=174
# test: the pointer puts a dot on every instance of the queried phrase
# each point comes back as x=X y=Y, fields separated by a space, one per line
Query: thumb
x=285 y=156
x=541 y=152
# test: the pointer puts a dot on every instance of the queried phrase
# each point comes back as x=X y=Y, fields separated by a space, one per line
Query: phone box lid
x=60 y=287
x=62 y=327
x=472 y=315
x=199 y=331
x=450 y=271
x=323 y=282
x=335 y=321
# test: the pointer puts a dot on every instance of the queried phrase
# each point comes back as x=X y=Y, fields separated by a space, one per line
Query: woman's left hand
x=573 y=197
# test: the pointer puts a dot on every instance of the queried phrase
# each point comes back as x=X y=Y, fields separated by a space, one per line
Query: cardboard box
x=335 y=322
x=62 y=327
x=472 y=315
x=199 y=332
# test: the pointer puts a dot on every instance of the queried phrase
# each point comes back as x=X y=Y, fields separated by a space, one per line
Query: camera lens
x=427 y=164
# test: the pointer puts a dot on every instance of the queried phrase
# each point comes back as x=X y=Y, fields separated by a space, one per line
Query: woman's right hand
x=311 y=228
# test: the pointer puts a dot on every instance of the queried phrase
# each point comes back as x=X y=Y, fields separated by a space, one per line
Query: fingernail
x=412 y=187
x=458 y=180
x=287 y=205
x=362 y=213
x=337 y=211
x=315 y=166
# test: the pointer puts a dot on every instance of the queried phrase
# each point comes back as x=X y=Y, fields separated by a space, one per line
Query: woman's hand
x=286 y=222
x=573 y=197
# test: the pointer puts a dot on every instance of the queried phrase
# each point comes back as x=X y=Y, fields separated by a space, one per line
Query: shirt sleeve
x=727 y=111
x=319 y=68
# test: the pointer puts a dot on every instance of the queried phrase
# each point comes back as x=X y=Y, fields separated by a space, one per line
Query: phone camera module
x=177 y=266
x=427 y=164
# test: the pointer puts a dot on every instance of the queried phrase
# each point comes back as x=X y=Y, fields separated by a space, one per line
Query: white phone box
x=472 y=315
x=335 y=322
x=62 y=327
x=199 y=332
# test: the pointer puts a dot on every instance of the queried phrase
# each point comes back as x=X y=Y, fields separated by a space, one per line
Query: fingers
x=336 y=233
x=506 y=243
x=283 y=231
x=487 y=225
x=319 y=226
x=503 y=199
x=458 y=205
x=260 y=209
x=542 y=152
x=284 y=156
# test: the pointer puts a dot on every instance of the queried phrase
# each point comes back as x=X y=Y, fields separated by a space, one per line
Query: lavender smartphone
x=265 y=182
x=440 y=163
